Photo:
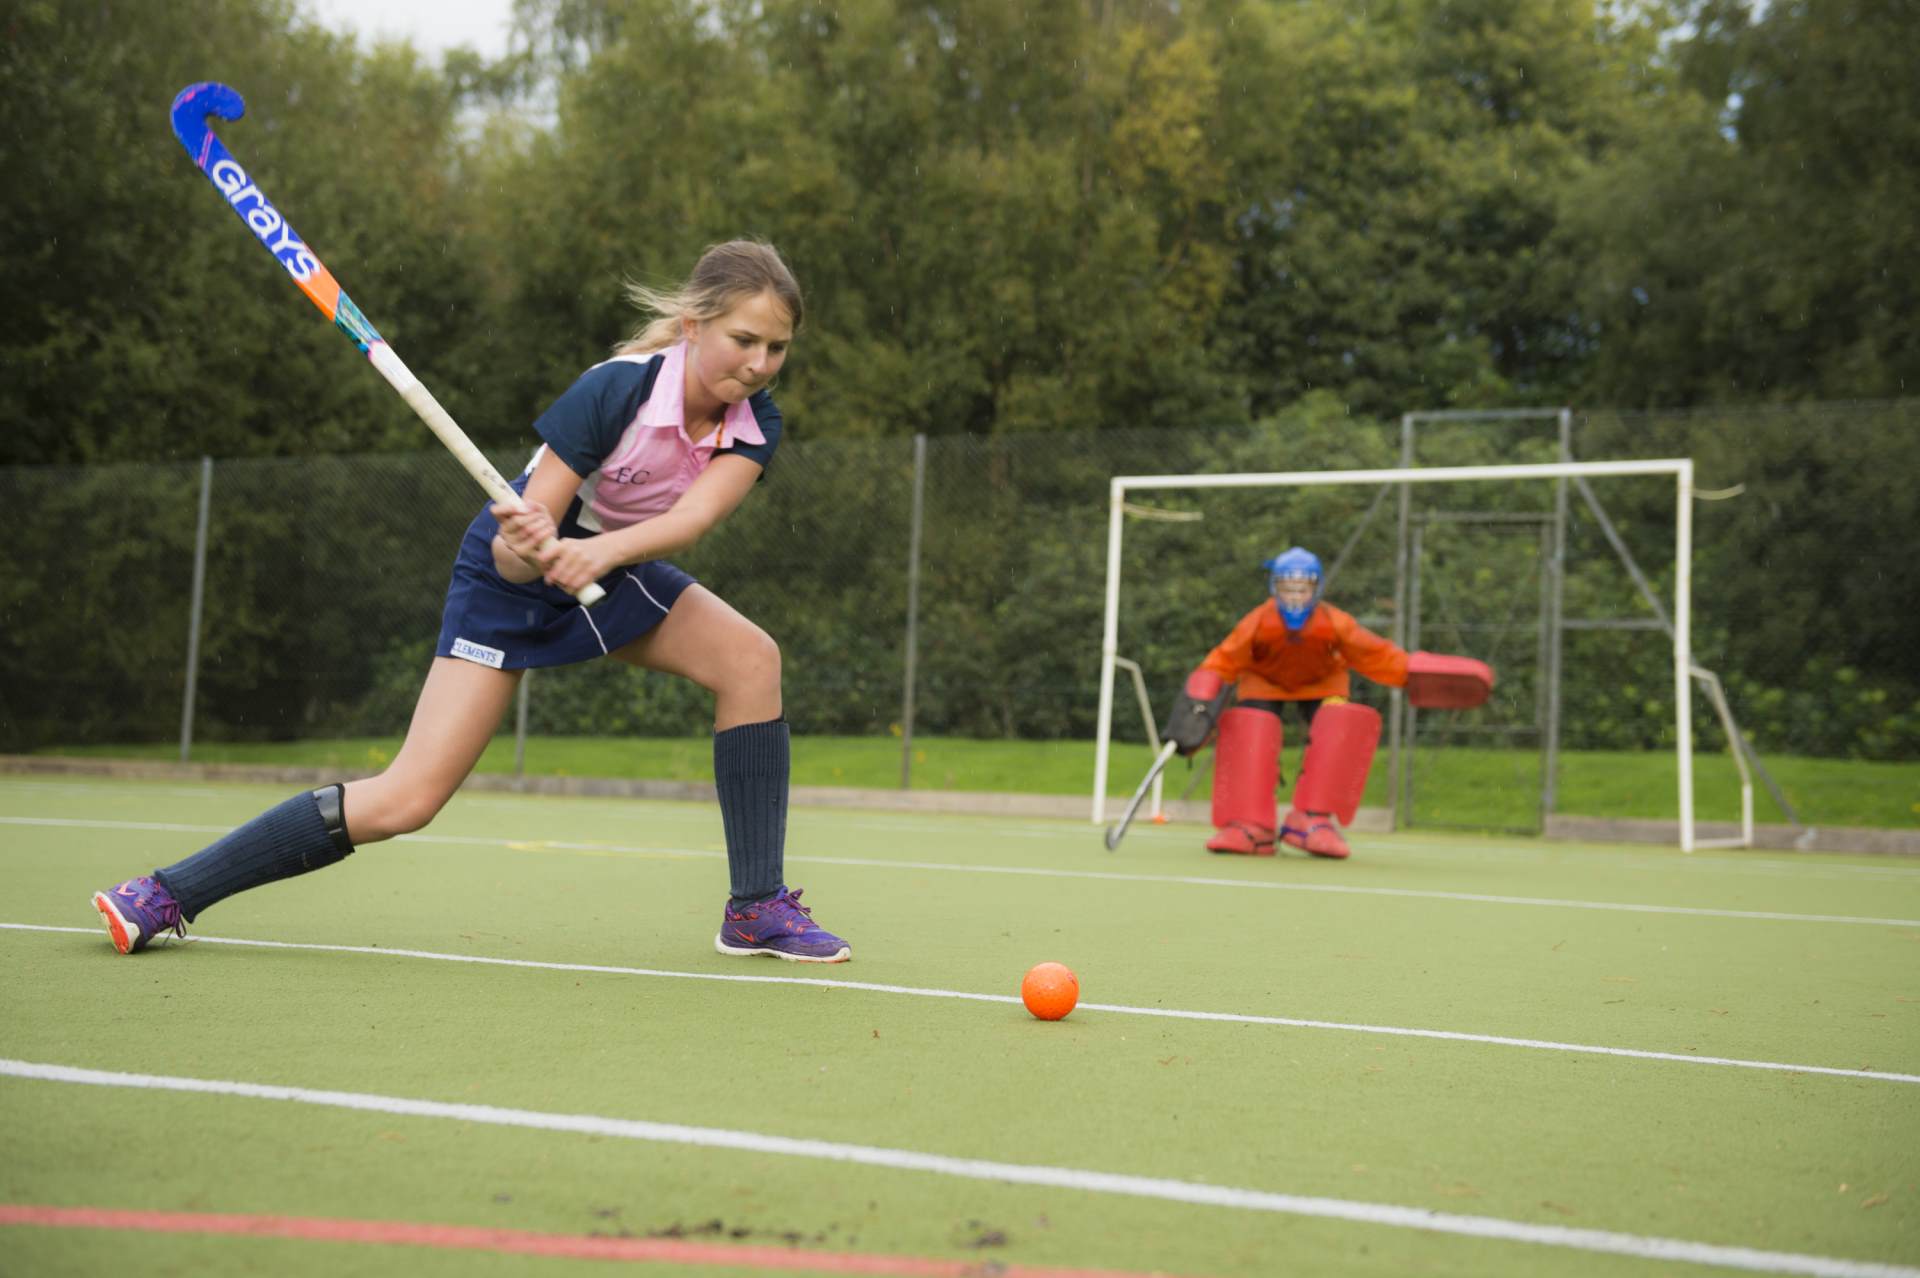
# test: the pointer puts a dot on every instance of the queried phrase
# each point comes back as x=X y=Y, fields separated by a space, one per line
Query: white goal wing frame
x=1680 y=468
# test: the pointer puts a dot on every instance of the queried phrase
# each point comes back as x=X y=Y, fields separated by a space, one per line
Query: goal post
x=1680 y=469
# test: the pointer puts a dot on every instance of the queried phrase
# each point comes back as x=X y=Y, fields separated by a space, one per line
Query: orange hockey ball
x=1050 y=990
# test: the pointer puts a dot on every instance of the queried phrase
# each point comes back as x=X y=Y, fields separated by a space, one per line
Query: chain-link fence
x=323 y=578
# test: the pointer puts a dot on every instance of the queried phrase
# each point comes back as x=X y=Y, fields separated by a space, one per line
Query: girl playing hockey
x=641 y=457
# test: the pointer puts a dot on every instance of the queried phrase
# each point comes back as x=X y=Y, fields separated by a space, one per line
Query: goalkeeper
x=1300 y=649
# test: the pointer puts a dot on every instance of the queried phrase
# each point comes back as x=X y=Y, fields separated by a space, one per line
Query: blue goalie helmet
x=1293 y=579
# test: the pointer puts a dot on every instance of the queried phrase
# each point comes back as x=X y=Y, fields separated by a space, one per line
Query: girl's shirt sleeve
x=585 y=424
x=766 y=414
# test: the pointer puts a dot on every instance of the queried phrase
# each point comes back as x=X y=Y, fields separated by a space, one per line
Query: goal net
x=1472 y=560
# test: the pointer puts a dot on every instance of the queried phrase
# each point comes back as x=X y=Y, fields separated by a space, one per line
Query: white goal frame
x=1680 y=468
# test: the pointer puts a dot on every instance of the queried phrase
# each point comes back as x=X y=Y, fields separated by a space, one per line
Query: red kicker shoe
x=1242 y=839
x=1314 y=832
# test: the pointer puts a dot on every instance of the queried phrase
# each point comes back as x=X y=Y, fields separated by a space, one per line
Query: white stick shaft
x=441 y=423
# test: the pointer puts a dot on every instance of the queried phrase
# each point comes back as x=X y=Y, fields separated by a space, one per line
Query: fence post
x=1397 y=762
x=520 y=729
x=193 y=608
x=1556 y=621
x=913 y=611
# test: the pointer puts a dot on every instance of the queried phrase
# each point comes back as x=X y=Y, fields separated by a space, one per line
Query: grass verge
x=1458 y=785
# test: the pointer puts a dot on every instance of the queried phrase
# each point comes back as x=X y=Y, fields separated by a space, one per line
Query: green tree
x=1004 y=216
x=1762 y=246
x=1397 y=172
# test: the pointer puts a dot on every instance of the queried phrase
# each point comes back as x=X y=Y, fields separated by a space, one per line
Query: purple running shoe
x=779 y=926
x=137 y=911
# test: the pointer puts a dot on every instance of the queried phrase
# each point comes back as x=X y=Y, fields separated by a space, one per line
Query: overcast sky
x=434 y=26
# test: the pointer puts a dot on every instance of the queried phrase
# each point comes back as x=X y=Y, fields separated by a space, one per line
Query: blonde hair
x=726 y=275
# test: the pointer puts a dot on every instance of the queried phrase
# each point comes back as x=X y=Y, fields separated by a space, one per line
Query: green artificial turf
x=1452 y=786
x=1795 y=960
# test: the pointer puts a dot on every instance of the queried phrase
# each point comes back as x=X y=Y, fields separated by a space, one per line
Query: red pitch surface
x=523 y=1242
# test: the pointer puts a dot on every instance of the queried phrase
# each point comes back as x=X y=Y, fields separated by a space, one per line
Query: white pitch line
x=1503 y=848
x=1611 y=858
x=1479 y=898
x=75 y=823
x=874 y=987
x=1188 y=880
x=1166 y=1190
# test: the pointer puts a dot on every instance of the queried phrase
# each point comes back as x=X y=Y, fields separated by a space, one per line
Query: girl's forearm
x=510 y=566
x=665 y=534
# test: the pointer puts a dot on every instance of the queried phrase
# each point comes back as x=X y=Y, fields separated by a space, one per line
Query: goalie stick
x=191 y=107
x=1118 y=830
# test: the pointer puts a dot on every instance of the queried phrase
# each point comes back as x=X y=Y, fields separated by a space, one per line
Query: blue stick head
x=191 y=107
x=1293 y=579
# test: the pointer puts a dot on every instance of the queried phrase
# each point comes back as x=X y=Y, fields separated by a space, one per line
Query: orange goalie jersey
x=1272 y=663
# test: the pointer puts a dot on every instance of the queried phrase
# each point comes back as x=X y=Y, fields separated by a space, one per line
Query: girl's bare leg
x=705 y=640
x=458 y=712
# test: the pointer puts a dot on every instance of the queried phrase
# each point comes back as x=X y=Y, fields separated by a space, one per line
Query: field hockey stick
x=1118 y=830
x=191 y=107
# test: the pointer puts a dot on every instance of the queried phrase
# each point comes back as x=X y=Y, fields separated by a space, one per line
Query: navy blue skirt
x=512 y=626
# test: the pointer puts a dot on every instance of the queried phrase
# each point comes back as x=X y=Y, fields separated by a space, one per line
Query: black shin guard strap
x=332 y=802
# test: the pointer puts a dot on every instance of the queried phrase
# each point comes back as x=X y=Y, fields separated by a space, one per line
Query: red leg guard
x=1333 y=771
x=1246 y=769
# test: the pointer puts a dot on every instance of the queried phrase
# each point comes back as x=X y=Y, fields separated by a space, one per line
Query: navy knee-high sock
x=751 y=764
x=305 y=833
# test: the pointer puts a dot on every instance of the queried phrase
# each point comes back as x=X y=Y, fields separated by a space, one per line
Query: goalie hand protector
x=1436 y=682
x=1196 y=711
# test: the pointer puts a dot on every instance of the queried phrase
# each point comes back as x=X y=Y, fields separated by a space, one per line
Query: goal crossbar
x=1680 y=469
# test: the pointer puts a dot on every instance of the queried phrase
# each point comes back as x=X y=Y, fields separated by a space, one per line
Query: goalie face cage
x=1681 y=470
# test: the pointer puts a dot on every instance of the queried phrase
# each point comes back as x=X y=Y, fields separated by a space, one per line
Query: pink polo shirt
x=622 y=428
